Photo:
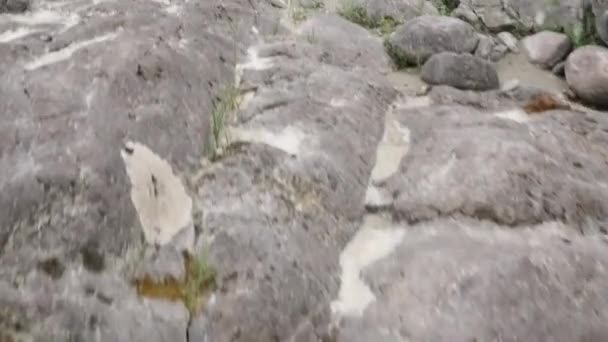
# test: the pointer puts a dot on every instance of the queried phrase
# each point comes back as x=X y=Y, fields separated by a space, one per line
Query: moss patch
x=199 y=280
x=52 y=267
x=359 y=15
x=400 y=60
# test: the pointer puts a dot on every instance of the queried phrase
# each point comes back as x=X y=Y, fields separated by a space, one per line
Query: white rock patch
x=66 y=53
x=10 y=35
x=392 y=148
x=374 y=241
x=516 y=114
x=253 y=62
x=288 y=140
x=160 y=199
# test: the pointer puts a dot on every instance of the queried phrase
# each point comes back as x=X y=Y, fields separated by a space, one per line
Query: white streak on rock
x=516 y=114
x=393 y=147
x=66 y=53
x=288 y=140
x=253 y=62
x=374 y=241
x=11 y=35
x=35 y=18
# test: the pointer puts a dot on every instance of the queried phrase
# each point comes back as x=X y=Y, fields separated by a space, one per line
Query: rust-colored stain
x=198 y=281
x=543 y=102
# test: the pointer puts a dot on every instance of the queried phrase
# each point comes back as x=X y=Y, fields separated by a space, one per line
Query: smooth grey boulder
x=418 y=39
x=546 y=48
x=482 y=282
x=587 y=74
x=293 y=180
x=462 y=71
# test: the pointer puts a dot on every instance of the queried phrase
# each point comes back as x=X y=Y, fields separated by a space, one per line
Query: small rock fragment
x=559 y=69
x=509 y=40
x=484 y=47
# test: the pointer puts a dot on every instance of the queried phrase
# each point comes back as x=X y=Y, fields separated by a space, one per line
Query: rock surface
x=587 y=74
x=356 y=47
x=490 y=49
x=418 y=39
x=526 y=15
x=546 y=48
x=255 y=171
x=462 y=71
x=599 y=9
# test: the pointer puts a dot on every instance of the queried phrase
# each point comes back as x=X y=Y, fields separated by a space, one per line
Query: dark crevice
x=483 y=214
x=190 y=318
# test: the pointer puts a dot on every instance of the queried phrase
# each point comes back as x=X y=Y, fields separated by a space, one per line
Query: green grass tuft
x=224 y=105
x=358 y=15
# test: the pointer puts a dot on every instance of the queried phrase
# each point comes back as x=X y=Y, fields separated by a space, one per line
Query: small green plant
x=358 y=15
x=224 y=105
x=191 y=289
x=200 y=277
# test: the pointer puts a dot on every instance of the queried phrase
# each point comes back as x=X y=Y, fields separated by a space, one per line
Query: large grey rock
x=416 y=40
x=480 y=282
x=587 y=74
x=546 y=48
x=463 y=71
x=503 y=166
x=292 y=181
x=346 y=44
x=104 y=73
